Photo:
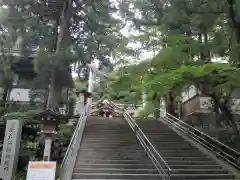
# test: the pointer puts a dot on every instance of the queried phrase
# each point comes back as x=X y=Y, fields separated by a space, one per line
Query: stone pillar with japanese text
x=10 y=150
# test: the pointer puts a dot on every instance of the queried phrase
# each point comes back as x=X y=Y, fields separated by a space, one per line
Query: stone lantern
x=49 y=119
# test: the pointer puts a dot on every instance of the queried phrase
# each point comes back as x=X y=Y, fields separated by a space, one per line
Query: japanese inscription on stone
x=8 y=151
x=10 y=148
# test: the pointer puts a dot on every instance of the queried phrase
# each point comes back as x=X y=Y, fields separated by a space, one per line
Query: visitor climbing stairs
x=119 y=148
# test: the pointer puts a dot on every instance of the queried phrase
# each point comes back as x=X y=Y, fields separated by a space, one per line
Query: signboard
x=10 y=150
x=41 y=170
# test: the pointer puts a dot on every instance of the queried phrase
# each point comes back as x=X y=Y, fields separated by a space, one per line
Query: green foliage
x=19 y=176
x=79 y=84
x=87 y=31
x=43 y=61
x=190 y=36
x=14 y=115
x=144 y=113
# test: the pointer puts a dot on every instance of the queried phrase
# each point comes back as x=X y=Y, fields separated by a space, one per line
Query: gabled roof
x=50 y=112
x=105 y=100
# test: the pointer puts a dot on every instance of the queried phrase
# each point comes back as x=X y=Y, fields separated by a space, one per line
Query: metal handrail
x=69 y=159
x=221 y=150
x=72 y=140
x=160 y=164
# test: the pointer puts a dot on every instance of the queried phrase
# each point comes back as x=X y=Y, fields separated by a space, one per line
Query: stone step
x=120 y=153
x=181 y=154
x=149 y=176
x=173 y=146
x=117 y=156
x=110 y=131
x=110 y=141
x=138 y=164
x=163 y=142
x=116 y=134
x=116 y=176
x=114 y=161
x=158 y=179
x=175 y=136
x=137 y=148
x=111 y=144
x=138 y=157
x=201 y=176
x=116 y=170
x=124 y=155
x=193 y=166
x=125 y=166
x=121 y=146
x=173 y=150
x=119 y=150
x=146 y=170
x=112 y=150
x=169 y=140
x=177 y=162
x=108 y=124
x=126 y=135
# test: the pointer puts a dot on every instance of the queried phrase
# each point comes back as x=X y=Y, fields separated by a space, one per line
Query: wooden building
x=105 y=107
x=197 y=108
x=194 y=102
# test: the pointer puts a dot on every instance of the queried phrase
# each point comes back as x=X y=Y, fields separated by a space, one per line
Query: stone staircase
x=185 y=160
x=109 y=150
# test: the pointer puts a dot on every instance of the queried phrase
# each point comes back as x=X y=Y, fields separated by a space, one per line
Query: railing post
x=169 y=174
x=136 y=129
x=146 y=149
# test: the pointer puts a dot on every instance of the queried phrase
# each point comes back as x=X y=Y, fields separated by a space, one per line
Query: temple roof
x=50 y=112
x=102 y=109
x=104 y=101
x=24 y=67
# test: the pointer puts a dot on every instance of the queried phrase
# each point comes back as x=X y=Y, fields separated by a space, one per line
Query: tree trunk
x=170 y=104
x=224 y=114
x=62 y=44
x=54 y=93
x=235 y=23
x=45 y=102
x=156 y=100
x=5 y=96
x=207 y=57
x=204 y=52
x=228 y=115
x=201 y=54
